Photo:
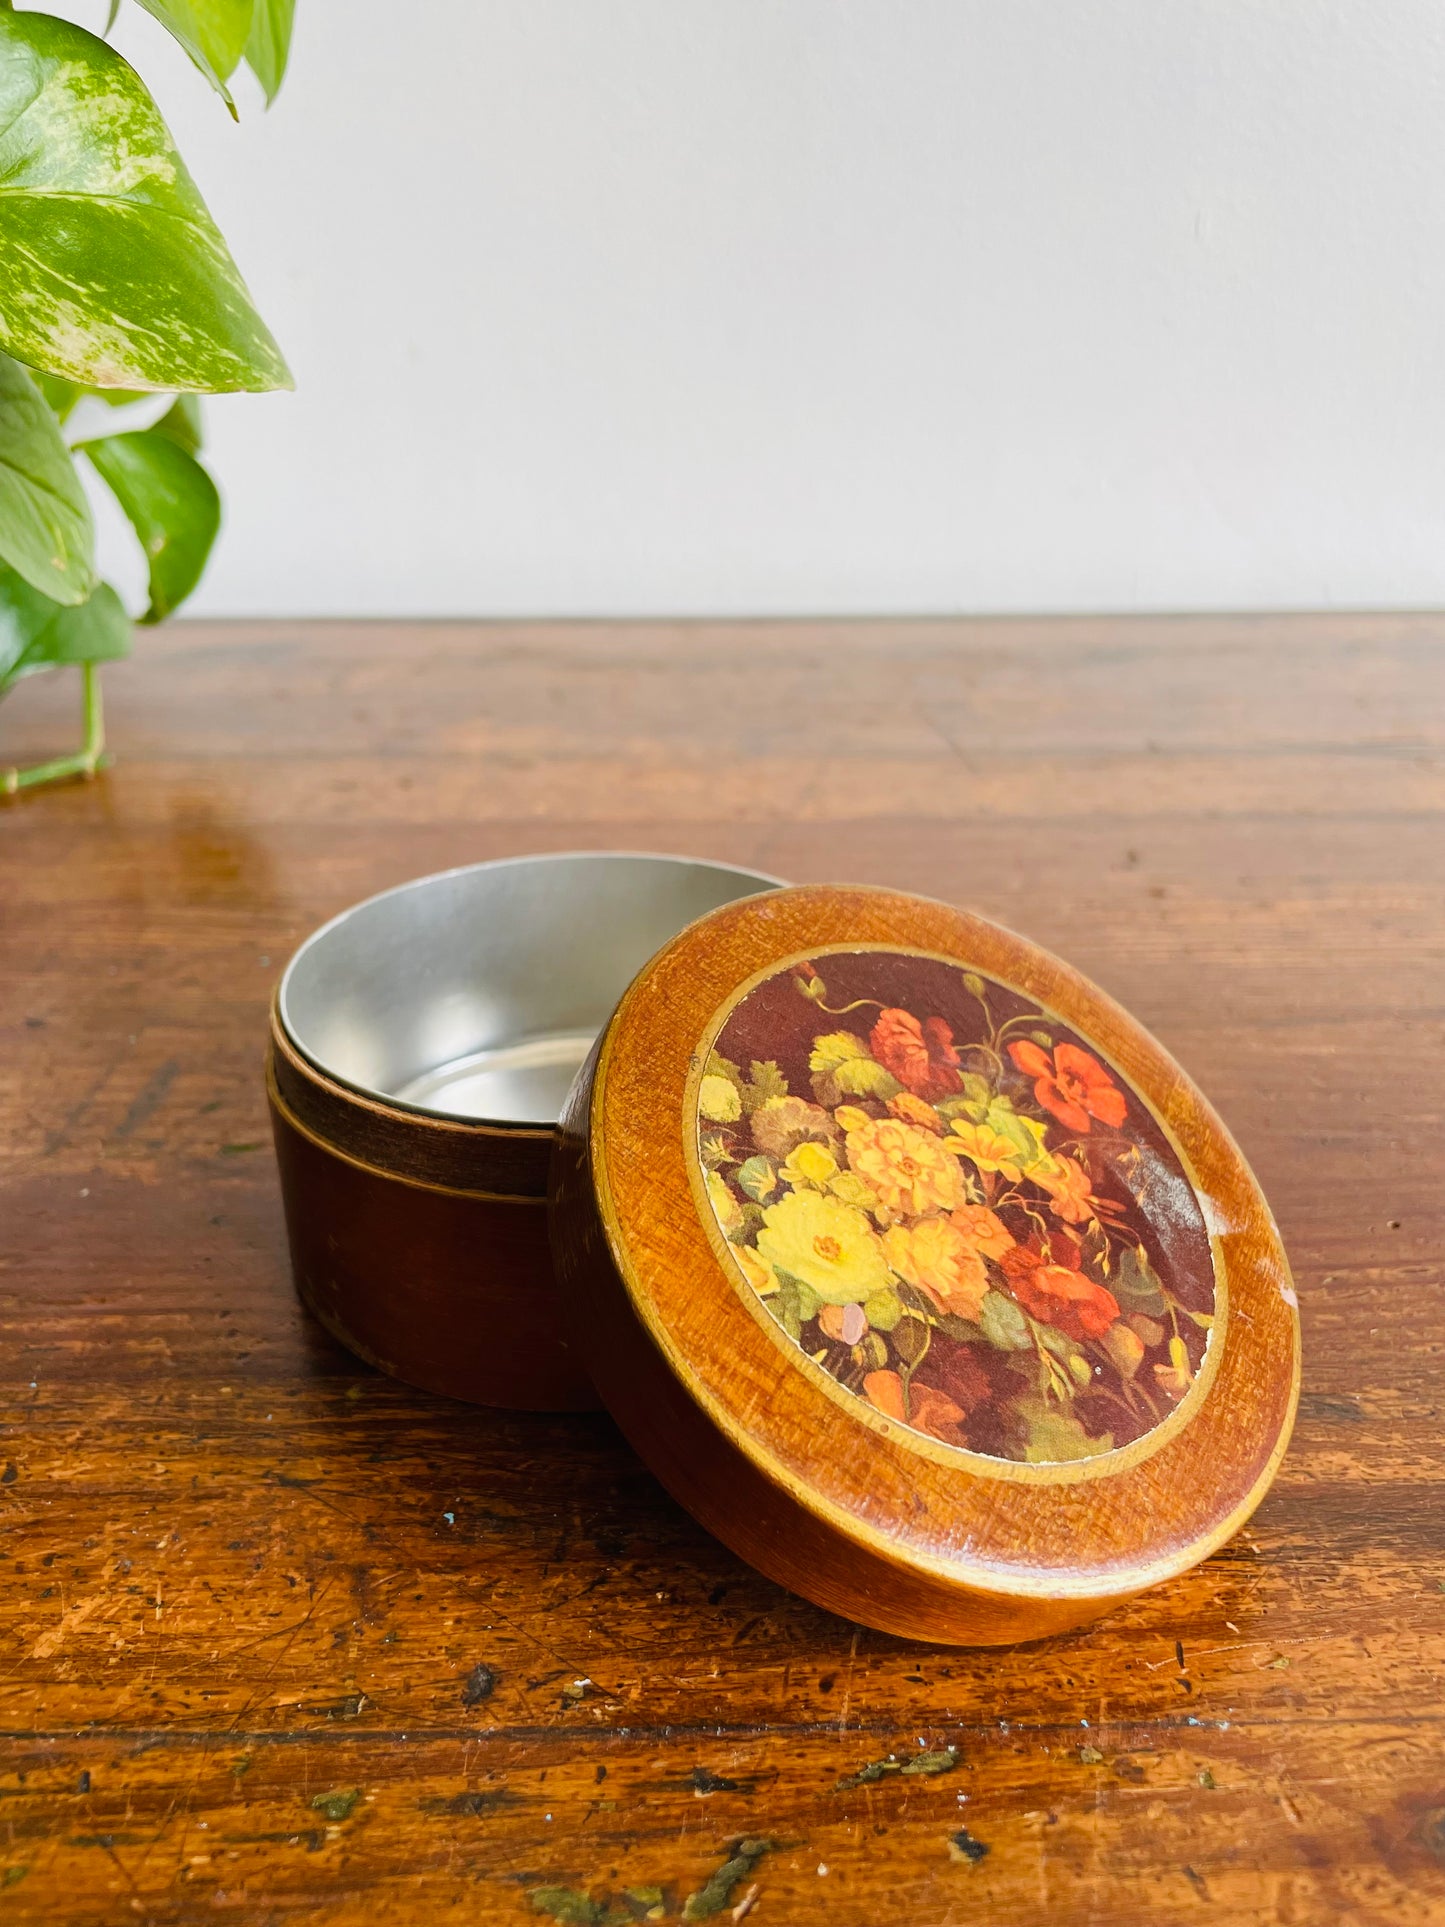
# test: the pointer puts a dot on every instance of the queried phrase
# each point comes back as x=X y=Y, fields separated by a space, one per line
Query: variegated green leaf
x=269 y=47
x=45 y=526
x=112 y=271
x=38 y=633
x=213 y=33
x=64 y=396
x=171 y=503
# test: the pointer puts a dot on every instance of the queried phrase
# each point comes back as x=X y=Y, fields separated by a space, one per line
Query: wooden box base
x=448 y=1290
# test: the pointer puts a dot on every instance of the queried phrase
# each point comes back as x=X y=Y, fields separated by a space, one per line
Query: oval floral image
x=954 y=1205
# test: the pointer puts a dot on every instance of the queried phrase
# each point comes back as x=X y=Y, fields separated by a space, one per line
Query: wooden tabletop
x=283 y=1639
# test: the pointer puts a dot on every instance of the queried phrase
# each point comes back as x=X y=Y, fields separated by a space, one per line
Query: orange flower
x=913 y=1110
x=1074 y=1085
x=1067 y=1183
x=885 y=1390
x=930 y=1411
x=983 y=1229
x=847 y=1323
x=908 y=1168
x=935 y=1413
x=1058 y=1295
x=920 y=1056
x=939 y=1260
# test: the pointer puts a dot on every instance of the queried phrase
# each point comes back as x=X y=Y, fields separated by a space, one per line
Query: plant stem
x=87 y=760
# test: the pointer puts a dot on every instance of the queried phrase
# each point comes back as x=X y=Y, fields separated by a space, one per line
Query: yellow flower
x=906 y=1166
x=718 y=1099
x=725 y=1206
x=760 y=1276
x=983 y=1146
x=811 y=1163
x=851 y=1118
x=828 y=1244
x=939 y=1260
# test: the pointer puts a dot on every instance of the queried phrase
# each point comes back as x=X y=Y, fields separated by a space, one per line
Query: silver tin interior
x=478 y=992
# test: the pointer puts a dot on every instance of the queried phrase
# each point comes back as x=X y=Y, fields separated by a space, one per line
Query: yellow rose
x=811 y=1163
x=939 y=1260
x=718 y=1099
x=828 y=1244
x=906 y=1166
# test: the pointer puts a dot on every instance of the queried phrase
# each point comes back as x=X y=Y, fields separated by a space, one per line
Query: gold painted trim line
x=1017 y=1471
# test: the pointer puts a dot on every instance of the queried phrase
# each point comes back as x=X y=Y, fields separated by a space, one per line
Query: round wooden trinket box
x=917 y=1270
x=422 y=1044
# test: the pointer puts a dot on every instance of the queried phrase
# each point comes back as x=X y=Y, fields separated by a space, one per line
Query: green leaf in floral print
x=38 y=633
x=974 y=1101
x=723 y=1067
x=45 y=526
x=1054 y=1436
x=758 y=1176
x=764 y=1081
x=171 y=503
x=1004 y=1324
x=835 y=1049
x=1024 y=1132
x=213 y=32
x=842 y=1067
x=715 y=1153
x=269 y=46
x=852 y=1190
x=794 y=1304
x=1135 y=1283
x=114 y=272
x=883 y=1310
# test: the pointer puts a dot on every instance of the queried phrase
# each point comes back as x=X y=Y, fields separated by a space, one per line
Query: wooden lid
x=918 y=1271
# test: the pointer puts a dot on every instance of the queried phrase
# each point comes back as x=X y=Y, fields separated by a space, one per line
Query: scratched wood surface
x=281 y=1639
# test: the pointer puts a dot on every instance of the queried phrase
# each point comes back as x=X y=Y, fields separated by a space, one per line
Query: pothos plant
x=115 y=284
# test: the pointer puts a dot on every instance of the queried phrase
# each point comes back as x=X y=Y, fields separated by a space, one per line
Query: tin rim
x=324 y=1061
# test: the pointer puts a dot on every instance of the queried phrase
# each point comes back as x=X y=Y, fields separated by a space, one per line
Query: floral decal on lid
x=949 y=1201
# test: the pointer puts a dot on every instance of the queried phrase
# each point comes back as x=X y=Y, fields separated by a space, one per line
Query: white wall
x=608 y=306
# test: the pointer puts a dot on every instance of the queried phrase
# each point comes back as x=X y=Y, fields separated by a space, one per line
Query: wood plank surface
x=282 y=1639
